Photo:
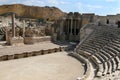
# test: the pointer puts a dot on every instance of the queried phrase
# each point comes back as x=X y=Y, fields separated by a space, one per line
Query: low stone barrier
x=57 y=49
x=51 y=50
x=22 y=55
x=28 y=40
x=88 y=71
x=86 y=65
x=41 y=39
x=2 y=58
x=32 y=40
x=5 y=57
x=37 y=53
x=45 y=51
x=30 y=54
x=15 y=41
x=10 y=57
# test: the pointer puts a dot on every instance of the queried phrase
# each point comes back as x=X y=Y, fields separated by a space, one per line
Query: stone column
x=23 y=28
x=75 y=25
x=78 y=24
x=71 y=26
x=13 y=25
x=79 y=27
x=54 y=38
x=68 y=26
x=6 y=29
x=61 y=26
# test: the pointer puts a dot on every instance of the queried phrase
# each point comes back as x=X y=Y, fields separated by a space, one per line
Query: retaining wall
x=30 y=54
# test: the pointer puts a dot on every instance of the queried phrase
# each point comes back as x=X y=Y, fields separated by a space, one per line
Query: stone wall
x=15 y=41
x=85 y=31
x=32 y=40
x=111 y=19
x=101 y=20
x=30 y=54
x=68 y=28
x=87 y=18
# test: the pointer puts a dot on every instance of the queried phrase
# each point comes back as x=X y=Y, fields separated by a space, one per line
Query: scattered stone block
x=1 y=58
x=51 y=50
x=10 y=57
x=45 y=51
x=57 y=49
x=30 y=54
x=15 y=41
x=28 y=40
x=5 y=57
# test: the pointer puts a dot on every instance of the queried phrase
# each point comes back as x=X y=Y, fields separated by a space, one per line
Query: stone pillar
x=76 y=30
x=71 y=26
x=23 y=28
x=61 y=27
x=13 y=25
x=79 y=27
x=68 y=26
x=67 y=29
x=75 y=25
x=78 y=24
x=6 y=30
x=54 y=38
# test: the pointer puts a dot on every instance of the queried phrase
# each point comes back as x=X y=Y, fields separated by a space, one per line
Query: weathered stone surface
x=15 y=41
x=10 y=57
x=32 y=40
x=28 y=40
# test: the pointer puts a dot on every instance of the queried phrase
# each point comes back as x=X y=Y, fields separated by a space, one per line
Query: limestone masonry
x=65 y=46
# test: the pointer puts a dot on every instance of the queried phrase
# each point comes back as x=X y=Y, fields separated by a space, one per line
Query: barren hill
x=21 y=10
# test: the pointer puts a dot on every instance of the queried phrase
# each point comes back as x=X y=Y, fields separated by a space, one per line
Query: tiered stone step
x=85 y=63
x=102 y=49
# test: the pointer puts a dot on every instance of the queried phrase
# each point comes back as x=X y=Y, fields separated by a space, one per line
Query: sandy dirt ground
x=8 y=50
x=55 y=66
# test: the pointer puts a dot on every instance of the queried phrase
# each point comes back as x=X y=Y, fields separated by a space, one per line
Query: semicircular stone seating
x=102 y=50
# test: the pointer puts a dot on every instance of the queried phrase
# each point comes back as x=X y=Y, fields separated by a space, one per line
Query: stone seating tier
x=85 y=64
x=102 y=49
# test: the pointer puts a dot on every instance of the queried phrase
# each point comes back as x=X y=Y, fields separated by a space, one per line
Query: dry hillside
x=51 y=13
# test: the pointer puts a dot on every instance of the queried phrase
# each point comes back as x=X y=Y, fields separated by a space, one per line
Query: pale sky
x=99 y=7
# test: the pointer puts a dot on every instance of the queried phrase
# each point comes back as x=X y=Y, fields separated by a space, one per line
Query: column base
x=15 y=41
